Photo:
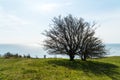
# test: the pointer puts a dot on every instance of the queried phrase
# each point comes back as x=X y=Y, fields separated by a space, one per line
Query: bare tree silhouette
x=73 y=36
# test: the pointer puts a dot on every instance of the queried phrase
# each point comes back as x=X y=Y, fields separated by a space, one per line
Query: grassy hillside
x=60 y=69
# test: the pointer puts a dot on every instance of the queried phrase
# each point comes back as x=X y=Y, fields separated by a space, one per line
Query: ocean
x=38 y=51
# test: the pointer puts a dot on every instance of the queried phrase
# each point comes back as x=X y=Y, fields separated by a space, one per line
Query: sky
x=23 y=21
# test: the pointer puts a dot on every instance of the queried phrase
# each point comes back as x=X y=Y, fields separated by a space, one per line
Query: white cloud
x=44 y=7
x=10 y=21
x=48 y=7
x=68 y=4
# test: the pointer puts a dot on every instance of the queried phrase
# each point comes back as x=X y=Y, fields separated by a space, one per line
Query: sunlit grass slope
x=60 y=69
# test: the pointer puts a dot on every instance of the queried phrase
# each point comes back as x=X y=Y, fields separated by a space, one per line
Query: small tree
x=28 y=56
x=73 y=36
x=91 y=47
x=8 y=55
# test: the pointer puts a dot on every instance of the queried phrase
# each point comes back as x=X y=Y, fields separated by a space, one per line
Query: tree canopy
x=73 y=36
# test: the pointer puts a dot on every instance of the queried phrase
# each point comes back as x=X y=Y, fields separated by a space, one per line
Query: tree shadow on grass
x=95 y=67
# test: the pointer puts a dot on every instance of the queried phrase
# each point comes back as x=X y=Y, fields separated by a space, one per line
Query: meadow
x=60 y=69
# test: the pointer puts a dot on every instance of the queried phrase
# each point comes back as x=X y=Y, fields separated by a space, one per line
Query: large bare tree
x=73 y=36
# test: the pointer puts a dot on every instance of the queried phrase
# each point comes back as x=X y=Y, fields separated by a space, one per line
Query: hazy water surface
x=114 y=50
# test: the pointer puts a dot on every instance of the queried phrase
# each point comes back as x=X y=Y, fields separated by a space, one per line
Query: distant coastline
x=38 y=51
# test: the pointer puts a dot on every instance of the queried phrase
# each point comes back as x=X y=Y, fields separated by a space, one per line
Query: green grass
x=60 y=69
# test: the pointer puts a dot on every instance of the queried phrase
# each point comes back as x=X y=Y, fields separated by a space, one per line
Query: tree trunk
x=83 y=56
x=71 y=57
